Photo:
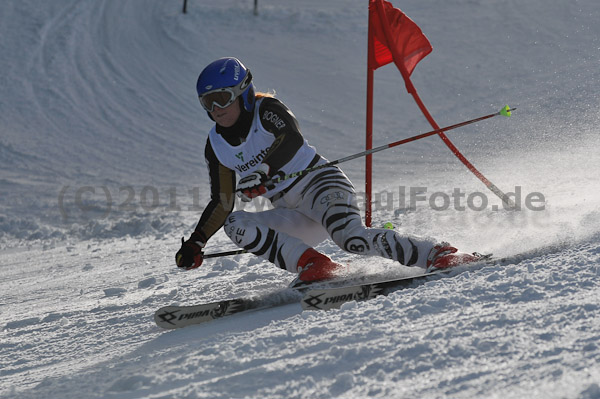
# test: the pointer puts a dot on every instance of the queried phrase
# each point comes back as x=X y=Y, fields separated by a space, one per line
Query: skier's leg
x=280 y=235
x=331 y=200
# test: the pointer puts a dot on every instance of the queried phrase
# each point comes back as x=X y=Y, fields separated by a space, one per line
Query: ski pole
x=505 y=111
x=227 y=253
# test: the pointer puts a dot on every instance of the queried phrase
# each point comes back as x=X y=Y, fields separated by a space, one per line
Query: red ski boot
x=444 y=256
x=314 y=266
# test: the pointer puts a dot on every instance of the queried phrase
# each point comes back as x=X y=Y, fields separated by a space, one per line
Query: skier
x=258 y=137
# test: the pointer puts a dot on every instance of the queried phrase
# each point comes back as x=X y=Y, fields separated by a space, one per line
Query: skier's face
x=227 y=116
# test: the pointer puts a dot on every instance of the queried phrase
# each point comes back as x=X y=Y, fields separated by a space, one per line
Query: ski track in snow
x=102 y=172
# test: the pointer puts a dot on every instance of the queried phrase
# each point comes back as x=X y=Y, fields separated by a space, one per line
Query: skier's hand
x=255 y=184
x=190 y=254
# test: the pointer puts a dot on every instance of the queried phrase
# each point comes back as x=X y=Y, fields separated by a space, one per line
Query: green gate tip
x=506 y=111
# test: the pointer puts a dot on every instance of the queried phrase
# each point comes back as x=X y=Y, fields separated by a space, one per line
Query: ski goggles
x=224 y=96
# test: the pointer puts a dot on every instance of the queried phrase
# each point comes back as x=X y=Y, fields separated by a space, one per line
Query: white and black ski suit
x=307 y=209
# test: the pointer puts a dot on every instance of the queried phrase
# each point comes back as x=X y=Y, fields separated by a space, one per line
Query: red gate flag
x=408 y=43
x=395 y=37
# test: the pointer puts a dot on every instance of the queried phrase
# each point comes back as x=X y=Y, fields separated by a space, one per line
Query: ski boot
x=314 y=266
x=444 y=256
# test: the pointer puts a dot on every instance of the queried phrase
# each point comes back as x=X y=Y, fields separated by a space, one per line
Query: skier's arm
x=277 y=119
x=222 y=196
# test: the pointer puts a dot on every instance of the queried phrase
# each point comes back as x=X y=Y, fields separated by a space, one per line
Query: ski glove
x=190 y=254
x=255 y=184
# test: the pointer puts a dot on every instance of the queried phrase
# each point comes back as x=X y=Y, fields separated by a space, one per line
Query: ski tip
x=506 y=111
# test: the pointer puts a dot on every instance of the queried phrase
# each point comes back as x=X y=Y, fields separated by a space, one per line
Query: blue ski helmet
x=222 y=81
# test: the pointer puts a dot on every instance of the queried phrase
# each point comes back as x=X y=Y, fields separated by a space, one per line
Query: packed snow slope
x=102 y=172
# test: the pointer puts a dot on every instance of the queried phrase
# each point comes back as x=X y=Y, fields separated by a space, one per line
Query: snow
x=102 y=172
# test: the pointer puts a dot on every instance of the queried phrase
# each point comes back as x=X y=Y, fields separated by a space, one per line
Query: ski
x=172 y=317
x=326 y=298
x=178 y=316
x=333 y=298
x=321 y=295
